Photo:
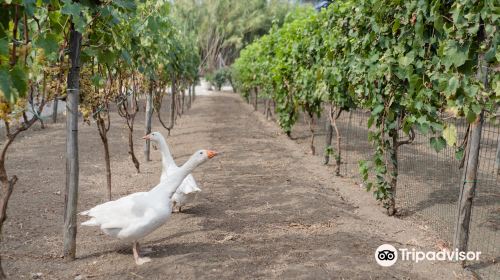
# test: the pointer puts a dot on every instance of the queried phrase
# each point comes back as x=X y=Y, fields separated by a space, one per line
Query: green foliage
x=118 y=36
x=410 y=63
x=210 y=77
x=27 y=48
x=450 y=135
x=223 y=27
x=278 y=65
x=220 y=77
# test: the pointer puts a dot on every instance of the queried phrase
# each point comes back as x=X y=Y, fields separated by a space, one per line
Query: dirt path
x=268 y=210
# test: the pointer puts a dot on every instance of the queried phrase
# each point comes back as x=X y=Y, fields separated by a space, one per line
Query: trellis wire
x=428 y=186
x=428 y=182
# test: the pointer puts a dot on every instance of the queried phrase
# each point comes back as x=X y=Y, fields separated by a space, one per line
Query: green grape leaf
x=454 y=55
x=48 y=42
x=4 y=47
x=395 y=26
x=406 y=60
x=29 y=6
x=75 y=11
x=459 y=153
x=438 y=143
x=128 y=5
x=71 y=9
x=5 y=83
x=19 y=79
x=4 y=21
x=450 y=135
x=470 y=116
x=489 y=56
x=106 y=57
x=453 y=85
x=377 y=110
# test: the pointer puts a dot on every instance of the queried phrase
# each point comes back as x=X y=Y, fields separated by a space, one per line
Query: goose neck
x=165 y=151
x=168 y=187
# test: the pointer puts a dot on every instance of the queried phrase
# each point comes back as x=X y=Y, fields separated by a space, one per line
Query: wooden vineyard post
x=72 y=167
x=149 y=114
x=328 y=141
x=256 y=92
x=268 y=108
x=497 y=158
x=393 y=170
x=194 y=92
x=331 y=125
x=468 y=186
x=190 y=97
x=54 y=109
x=172 y=105
x=184 y=102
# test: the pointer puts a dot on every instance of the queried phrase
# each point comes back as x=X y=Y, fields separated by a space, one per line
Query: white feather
x=137 y=215
x=188 y=190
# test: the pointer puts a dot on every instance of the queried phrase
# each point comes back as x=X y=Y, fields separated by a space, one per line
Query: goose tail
x=91 y=223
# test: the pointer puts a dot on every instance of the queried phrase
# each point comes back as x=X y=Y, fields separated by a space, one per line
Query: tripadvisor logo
x=387 y=255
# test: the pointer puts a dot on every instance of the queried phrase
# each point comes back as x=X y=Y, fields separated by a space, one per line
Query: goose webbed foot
x=141 y=261
x=137 y=257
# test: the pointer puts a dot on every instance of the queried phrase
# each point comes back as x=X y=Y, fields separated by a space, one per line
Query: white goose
x=132 y=217
x=188 y=189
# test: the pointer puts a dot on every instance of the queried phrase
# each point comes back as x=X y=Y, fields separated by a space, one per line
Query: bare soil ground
x=428 y=182
x=268 y=209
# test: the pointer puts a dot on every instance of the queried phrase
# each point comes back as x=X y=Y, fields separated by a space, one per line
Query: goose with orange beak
x=189 y=190
x=133 y=217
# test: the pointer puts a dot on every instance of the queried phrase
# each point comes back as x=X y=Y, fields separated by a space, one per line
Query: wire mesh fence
x=429 y=186
x=428 y=182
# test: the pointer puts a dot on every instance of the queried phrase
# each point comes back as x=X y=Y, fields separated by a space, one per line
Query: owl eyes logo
x=386 y=255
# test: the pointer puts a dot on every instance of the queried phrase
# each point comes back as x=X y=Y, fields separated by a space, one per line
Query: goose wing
x=188 y=186
x=118 y=213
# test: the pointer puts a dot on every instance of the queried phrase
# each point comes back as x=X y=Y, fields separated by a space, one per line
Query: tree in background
x=224 y=27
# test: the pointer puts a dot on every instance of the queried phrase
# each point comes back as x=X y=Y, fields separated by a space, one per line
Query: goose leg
x=173 y=206
x=180 y=210
x=138 y=259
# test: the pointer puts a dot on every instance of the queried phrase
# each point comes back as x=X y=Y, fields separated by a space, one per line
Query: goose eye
x=201 y=153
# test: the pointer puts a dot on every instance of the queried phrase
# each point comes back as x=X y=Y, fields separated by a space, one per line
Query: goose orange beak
x=147 y=137
x=211 y=153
